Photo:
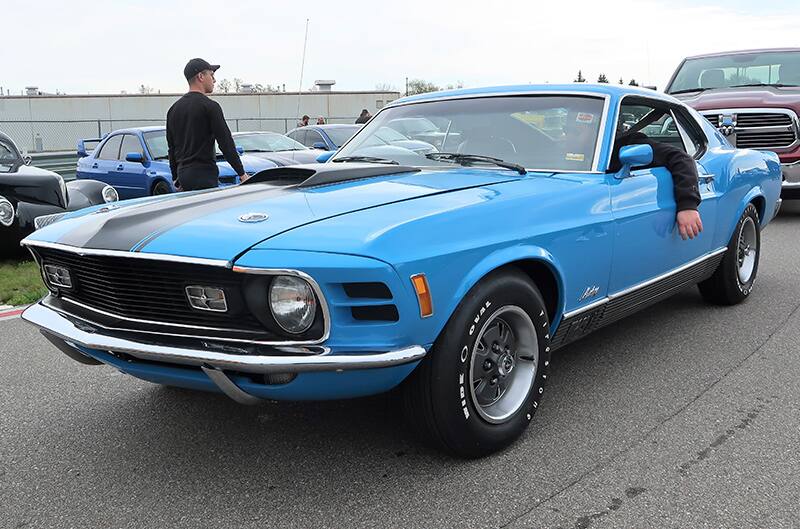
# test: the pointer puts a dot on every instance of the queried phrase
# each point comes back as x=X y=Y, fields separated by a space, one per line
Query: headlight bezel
x=9 y=207
x=111 y=192
x=304 y=290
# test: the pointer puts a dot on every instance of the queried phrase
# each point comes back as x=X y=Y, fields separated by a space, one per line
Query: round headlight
x=6 y=212
x=293 y=304
x=110 y=194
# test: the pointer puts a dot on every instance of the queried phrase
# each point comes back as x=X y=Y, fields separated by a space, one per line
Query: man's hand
x=243 y=178
x=178 y=187
x=689 y=224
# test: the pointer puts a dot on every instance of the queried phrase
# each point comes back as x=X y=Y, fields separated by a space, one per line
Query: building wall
x=54 y=123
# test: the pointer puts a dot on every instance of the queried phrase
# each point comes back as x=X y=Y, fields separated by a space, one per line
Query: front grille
x=151 y=290
x=764 y=140
x=763 y=119
x=758 y=130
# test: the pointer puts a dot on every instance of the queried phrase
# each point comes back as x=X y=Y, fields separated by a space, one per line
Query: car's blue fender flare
x=509 y=256
x=757 y=196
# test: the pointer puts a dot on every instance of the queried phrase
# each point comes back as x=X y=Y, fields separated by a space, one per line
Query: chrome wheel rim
x=746 y=251
x=503 y=364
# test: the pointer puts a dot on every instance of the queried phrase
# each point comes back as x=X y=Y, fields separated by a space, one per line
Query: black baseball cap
x=195 y=66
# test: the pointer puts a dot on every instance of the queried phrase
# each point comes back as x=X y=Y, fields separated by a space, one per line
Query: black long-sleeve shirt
x=193 y=123
x=681 y=166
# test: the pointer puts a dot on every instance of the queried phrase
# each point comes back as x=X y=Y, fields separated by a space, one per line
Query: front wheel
x=480 y=385
x=733 y=279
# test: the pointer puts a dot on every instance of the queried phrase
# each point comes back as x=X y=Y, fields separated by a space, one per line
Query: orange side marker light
x=420 y=283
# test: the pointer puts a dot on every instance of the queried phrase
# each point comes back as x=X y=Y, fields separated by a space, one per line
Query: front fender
x=504 y=257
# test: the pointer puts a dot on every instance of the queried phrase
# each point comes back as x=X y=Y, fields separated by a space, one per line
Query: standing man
x=194 y=122
x=364 y=117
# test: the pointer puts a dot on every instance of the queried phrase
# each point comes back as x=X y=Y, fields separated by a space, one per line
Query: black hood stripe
x=131 y=229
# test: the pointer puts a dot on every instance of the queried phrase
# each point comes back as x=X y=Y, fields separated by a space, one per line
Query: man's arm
x=683 y=169
x=224 y=139
x=173 y=164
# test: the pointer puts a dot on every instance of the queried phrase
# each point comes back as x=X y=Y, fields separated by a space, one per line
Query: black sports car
x=31 y=197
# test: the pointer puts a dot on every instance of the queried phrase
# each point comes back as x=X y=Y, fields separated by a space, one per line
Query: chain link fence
x=60 y=136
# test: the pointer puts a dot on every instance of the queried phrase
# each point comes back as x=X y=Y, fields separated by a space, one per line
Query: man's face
x=206 y=78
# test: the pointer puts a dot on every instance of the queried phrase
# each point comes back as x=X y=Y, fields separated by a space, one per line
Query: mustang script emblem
x=590 y=292
x=253 y=217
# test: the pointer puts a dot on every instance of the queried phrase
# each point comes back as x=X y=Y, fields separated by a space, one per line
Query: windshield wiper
x=368 y=159
x=687 y=90
x=776 y=85
x=469 y=159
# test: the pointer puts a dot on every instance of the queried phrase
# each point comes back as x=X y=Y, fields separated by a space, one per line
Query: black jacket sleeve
x=681 y=166
x=173 y=164
x=224 y=139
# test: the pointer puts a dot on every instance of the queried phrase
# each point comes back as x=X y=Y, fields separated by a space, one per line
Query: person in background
x=320 y=120
x=194 y=123
x=364 y=117
x=303 y=122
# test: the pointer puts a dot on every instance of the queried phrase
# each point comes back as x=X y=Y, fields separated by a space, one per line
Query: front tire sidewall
x=468 y=433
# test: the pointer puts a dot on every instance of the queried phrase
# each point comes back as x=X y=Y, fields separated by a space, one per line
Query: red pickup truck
x=752 y=97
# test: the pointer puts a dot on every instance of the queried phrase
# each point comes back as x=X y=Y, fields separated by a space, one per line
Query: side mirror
x=135 y=157
x=239 y=149
x=26 y=158
x=634 y=156
x=319 y=145
x=325 y=156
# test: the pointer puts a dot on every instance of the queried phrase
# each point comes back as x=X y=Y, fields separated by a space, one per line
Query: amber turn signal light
x=420 y=283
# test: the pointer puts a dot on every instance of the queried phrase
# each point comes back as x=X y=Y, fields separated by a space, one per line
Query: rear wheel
x=480 y=385
x=733 y=279
x=161 y=188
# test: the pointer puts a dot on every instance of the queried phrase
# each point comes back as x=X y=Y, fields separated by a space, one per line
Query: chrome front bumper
x=791 y=175
x=54 y=324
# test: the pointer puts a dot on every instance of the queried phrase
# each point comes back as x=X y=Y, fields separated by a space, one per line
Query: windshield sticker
x=574 y=157
x=585 y=118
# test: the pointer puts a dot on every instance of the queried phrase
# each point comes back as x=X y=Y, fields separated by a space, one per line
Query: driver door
x=647 y=241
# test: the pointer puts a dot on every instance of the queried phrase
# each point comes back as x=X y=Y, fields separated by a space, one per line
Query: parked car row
x=135 y=160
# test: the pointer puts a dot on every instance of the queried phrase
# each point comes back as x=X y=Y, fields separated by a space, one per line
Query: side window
x=299 y=136
x=313 y=137
x=693 y=139
x=110 y=150
x=130 y=143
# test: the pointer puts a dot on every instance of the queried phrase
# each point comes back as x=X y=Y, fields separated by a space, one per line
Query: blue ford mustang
x=135 y=162
x=454 y=273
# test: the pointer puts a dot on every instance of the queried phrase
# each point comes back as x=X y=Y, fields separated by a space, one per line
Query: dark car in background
x=31 y=197
x=136 y=163
x=752 y=97
x=323 y=137
x=277 y=148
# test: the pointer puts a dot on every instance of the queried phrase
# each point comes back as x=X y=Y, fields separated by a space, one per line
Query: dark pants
x=198 y=177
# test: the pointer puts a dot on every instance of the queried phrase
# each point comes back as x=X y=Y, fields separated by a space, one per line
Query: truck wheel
x=733 y=279
x=479 y=387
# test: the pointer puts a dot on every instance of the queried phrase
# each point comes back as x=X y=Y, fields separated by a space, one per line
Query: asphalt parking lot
x=684 y=415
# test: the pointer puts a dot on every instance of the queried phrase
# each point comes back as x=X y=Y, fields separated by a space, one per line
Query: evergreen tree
x=602 y=78
x=633 y=83
x=580 y=78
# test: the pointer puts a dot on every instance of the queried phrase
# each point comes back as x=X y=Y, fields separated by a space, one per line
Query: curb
x=8 y=312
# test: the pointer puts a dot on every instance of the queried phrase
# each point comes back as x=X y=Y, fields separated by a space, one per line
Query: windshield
x=157 y=144
x=266 y=141
x=557 y=133
x=740 y=69
x=340 y=135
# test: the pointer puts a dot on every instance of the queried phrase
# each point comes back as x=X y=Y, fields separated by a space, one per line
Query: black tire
x=161 y=188
x=728 y=286
x=439 y=399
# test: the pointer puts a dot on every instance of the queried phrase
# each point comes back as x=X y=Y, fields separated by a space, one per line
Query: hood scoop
x=318 y=174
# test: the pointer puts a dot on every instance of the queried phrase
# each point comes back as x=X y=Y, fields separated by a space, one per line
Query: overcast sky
x=109 y=47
